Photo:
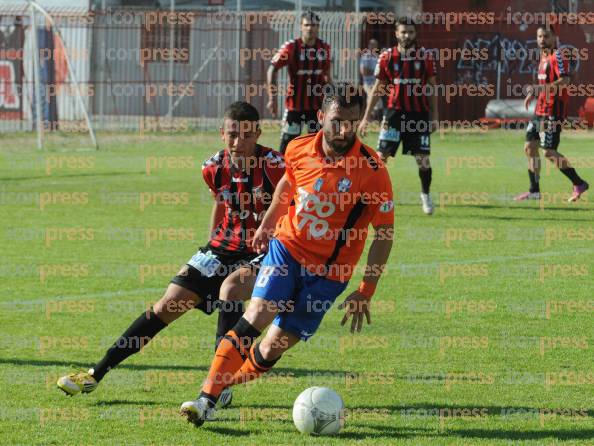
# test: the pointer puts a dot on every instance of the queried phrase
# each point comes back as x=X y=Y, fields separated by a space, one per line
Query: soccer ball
x=318 y=411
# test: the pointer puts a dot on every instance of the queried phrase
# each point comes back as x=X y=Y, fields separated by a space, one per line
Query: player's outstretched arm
x=433 y=109
x=216 y=216
x=272 y=88
x=357 y=304
x=278 y=207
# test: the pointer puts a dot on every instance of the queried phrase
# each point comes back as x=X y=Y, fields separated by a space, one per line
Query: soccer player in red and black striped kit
x=408 y=72
x=308 y=62
x=241 y=178
x=551 y=110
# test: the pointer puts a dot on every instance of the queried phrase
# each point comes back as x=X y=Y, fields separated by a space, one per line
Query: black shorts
x=198 y=276
x=546 y=129
x=412 y=128
x=293 y=122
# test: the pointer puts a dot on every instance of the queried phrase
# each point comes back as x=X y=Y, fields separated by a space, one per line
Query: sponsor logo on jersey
x=318 y=71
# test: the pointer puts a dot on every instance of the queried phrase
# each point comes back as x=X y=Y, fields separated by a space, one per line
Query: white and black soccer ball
x=318 y=411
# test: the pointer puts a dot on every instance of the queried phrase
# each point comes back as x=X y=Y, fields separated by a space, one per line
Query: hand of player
x=260 y=240
x=434 y=124
x=271 y=106
x=356 y=305
x=363 y=127
x=528 y=100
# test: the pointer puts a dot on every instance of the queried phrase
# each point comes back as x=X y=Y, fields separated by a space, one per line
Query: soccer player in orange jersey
x=334 y=187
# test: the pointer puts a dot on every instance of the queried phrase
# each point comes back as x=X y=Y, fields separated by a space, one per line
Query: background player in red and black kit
x=308 y=61
x=242 y=178
x=551 y=110
x=408 y=73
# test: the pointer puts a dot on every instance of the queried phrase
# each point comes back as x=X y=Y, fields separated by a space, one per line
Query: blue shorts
x=302 y=297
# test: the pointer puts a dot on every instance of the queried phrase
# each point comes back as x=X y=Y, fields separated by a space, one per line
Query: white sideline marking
x=112 y=294
x=102 y=295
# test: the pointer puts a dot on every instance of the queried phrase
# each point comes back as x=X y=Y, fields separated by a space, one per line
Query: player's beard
x=340 y=146
x=407 y=44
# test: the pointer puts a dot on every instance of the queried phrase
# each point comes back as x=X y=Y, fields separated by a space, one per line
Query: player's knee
x=550 y=154
x=423 y=162
x=172 y=305
x=531 y=149
x=231 y=290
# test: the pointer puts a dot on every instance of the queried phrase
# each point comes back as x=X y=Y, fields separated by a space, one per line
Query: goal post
x=34 y=9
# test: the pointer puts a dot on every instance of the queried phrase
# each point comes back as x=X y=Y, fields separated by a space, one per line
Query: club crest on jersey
x=344 y=184
x=386 y=206
x=318 y=184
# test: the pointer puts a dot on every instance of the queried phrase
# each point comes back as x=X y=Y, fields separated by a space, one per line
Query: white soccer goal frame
x=34 y=6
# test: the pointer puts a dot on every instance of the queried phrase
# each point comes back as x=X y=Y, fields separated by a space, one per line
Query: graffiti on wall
x=515 y=57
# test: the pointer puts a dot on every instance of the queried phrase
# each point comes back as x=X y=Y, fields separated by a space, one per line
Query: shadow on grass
x=228 y=431
x=125 y=403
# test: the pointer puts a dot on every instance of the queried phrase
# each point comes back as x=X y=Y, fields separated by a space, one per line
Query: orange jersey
x=327 y=223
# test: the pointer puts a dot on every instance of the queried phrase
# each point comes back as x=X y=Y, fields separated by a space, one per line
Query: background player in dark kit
x=407 y=72
x=308 y=62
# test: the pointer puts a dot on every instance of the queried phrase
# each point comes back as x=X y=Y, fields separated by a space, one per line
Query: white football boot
x=197 y=411
x=427 y=203
x=75 y=383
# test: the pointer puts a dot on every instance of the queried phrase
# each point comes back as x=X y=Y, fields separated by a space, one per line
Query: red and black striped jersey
x=403 y=72
x=552 y=102
x=245 y=196
x=307 y=67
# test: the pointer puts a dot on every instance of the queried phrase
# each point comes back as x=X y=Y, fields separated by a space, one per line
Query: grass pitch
x=481 y=327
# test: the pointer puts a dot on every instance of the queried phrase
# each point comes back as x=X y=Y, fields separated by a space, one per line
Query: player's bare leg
x=175 y=302
x=533 y=156
x=562 y=163
x=425 y=173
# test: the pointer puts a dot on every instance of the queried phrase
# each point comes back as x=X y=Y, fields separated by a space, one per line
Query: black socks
x=425 y=176
x=131 y=341
x=230 y=313
x=570 y=173
x=534 y=184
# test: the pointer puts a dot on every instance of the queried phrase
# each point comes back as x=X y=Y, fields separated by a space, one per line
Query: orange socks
x=254 y=366
x=229 y=357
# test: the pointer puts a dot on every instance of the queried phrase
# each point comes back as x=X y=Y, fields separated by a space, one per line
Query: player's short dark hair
x=404 y=21
x=547 y=27
x=344 y=94
x=242 y=111
x=311 y=16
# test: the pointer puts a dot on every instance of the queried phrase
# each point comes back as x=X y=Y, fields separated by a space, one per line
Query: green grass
x=482 y=323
